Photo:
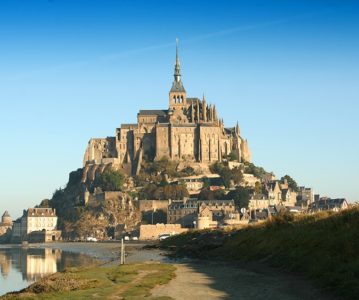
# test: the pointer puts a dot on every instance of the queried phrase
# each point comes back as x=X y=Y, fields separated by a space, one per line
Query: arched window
x=174 y=99
x=181 y=99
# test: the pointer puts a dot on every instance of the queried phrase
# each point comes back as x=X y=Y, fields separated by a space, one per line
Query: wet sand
x=109 y=253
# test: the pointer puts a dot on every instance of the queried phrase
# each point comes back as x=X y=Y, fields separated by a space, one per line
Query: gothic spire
x=177 y=85
x=177 y=74
x=237 y=129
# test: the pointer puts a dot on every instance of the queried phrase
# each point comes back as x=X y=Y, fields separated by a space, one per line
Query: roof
x=154 y=112
x=177 y=86
x=6 y=214
x=128 y=126
x=40 y=212
x=189 y=100
x=230 y=130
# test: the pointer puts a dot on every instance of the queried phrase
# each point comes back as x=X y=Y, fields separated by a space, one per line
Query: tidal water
x=22 y=266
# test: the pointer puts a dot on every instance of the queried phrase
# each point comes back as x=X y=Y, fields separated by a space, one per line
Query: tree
x=291 y=183
x=188 y=171
x=233 y=156
x=237 y=175
x=206 y=194
x=227 y=174
x=258 y=188
x=258 y=172
x=45 y=203
x=240 y=196
x=110 y=180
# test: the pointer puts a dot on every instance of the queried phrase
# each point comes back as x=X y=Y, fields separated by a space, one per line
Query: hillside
x=101 y=218
x=324 y=247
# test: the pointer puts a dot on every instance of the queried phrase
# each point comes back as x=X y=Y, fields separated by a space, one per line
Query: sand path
x=218 y=280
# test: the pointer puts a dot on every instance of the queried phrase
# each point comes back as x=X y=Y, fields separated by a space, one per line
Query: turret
x=6 y=219
x=204 y=109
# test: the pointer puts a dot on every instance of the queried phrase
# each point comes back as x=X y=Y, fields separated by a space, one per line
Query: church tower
x=177 y=96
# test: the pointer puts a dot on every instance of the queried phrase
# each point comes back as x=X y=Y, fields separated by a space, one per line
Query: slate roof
x=194 y=100
x=128 y=126
x=177 y=86
x=40 y=212
x=154 y=112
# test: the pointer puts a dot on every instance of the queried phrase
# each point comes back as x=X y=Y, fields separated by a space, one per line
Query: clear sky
x=288 y=71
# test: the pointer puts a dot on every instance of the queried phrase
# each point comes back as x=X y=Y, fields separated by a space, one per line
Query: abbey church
x=188 y=130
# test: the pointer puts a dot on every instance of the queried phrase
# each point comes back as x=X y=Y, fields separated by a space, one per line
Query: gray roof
x=229 y=130
x=154 y=112
x=193 y=100
x=127 y=126
x=177 y=86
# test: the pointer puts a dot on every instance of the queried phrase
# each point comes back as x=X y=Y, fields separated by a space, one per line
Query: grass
x=133 y=281
x=324 y=247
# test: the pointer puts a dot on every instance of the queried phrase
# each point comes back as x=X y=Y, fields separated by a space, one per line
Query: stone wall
x=152 y=232
x=153 y=205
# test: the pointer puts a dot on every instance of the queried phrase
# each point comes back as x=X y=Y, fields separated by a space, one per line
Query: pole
x=122 y=259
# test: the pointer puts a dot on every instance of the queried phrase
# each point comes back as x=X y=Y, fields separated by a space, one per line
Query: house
x=182 y=212
x=36 y=225
x=329 y=204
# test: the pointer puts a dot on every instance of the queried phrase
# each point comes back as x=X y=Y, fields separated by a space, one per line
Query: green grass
x=323 y=247
x=133 y=281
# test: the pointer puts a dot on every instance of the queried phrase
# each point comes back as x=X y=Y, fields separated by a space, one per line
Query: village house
x=36 y=225
x=325 y=203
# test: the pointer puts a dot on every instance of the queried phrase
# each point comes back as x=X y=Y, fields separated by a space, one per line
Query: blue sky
x=288 y=71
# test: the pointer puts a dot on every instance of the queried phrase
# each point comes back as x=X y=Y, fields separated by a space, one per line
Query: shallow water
x=22 y=266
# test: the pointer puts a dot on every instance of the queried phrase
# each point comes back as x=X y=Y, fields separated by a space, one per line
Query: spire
x=237 y=129
x=177 y=74
x=177 y=85
x=204 y=109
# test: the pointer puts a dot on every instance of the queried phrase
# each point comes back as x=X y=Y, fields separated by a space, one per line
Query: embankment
x=324 y=247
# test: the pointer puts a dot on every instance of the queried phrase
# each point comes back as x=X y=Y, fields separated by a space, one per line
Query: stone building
x=188 y=130
x=5 y=224
x=36 y=225
x=305 y=196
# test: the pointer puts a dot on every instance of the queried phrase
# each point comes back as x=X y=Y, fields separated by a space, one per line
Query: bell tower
x=177 y=95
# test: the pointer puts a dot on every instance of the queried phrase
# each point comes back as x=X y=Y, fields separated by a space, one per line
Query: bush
x=110 y=180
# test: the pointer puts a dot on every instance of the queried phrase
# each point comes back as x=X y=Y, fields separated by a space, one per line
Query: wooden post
x=122 y=259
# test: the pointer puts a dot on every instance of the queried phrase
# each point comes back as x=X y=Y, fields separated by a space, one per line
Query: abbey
x=188 y=130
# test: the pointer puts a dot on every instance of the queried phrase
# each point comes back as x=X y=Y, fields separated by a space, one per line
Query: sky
x=288 y=71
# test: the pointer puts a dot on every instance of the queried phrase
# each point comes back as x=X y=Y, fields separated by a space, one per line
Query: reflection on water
x=22 y=266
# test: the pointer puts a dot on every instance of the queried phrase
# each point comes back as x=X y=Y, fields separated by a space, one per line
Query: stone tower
x=177 y=95
x=6 y=219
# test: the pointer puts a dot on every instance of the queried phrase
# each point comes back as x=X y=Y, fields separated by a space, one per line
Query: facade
x=36 y=225
x=305 y=196
x=183 y=212
x=195 y=183
x=188 y=130
x=202 y=213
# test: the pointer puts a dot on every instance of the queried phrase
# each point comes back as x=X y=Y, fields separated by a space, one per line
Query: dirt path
x=212 y=281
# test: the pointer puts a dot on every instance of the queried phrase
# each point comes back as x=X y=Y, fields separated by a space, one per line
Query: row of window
x=178 y=99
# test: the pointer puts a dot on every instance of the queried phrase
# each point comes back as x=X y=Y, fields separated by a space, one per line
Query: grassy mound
x=323 y=246
x=133 y=281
